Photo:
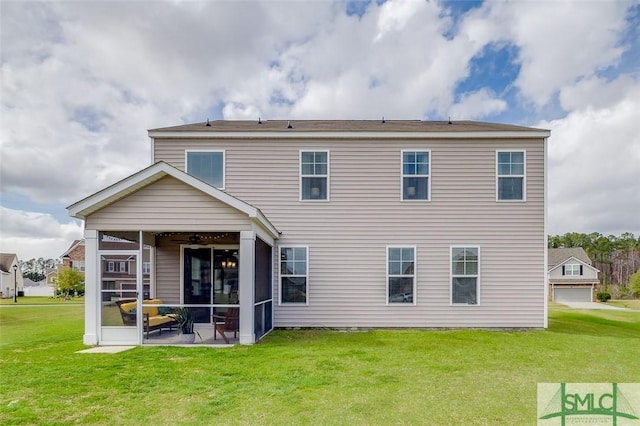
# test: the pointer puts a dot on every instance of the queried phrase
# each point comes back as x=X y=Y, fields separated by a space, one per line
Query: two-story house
x=341 y=224
x=572 y=277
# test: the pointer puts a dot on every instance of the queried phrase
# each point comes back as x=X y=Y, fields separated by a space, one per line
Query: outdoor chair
x=230 y=322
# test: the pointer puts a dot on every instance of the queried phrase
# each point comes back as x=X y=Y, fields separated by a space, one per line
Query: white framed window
x=78 y=265
x=208 y=166
x=146 y=267
x=401 y=275
x=111 y=266
x=123 y=267
x=572 y=270
x=294 y=274
x=465 y=275
x=416 y=183
x=511 y=175
x=314 y=175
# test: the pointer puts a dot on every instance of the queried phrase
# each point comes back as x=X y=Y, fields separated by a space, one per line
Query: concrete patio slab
x=106 y=350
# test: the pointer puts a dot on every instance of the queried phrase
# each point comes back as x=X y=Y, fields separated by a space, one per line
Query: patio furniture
x=230 y=322
x=152 y=318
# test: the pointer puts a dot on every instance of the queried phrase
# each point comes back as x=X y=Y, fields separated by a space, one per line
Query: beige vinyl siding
x=168 y=270
x=168 y=205
x=587 y=272
x=348 y=236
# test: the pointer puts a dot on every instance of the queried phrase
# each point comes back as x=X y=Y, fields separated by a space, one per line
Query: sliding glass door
x=210 y=278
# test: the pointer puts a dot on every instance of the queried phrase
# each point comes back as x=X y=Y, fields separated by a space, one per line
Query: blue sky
x=83 y=81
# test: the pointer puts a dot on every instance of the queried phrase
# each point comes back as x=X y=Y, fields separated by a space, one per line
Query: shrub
x=603 y=296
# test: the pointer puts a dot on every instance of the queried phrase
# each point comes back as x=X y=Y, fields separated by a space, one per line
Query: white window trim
x=111 y=266
x=574 y=267
x=146 y=267
x=122 y=266
x=224 y=163
x=451 y=275
x=402 y=176
x=327 y=176
x=523 y=176
x=415 y=275
x=280 y=302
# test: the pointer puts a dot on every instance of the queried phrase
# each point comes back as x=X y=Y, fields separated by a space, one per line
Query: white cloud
x=477 y=105
x=594 y=166
x=559 y=42
x=34 y=235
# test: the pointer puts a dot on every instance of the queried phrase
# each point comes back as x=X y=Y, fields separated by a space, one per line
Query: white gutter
x=354 y=135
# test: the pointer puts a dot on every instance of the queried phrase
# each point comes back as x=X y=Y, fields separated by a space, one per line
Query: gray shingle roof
x=559 y=255
x=345 y=126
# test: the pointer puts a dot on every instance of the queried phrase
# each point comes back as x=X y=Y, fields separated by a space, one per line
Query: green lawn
x=41 y=300
x=629 y=304
x=307 y=377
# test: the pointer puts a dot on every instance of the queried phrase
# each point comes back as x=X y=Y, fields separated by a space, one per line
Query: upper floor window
x=401 y=275
x=123 y=267
x=78 y=265
x=293 y=274
x=573 y=270
x=111 y=267
x=415 y=175
x=146 y=267
x=464 y=275
x=207 y=166
x=314 y=175
x=510 y=180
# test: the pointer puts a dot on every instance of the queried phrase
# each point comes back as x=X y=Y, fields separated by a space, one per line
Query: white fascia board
x=118 y=189
x=262 y=220
x=152 y=174
x=354 y=135
x=575 y=259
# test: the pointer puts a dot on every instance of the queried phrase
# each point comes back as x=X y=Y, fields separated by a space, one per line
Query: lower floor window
x=400 y=274
x=293 y=274
x=464 y=275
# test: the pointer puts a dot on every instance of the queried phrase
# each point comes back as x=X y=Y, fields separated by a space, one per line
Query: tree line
x=68 y=281
x=617 y=257
x=36 y=269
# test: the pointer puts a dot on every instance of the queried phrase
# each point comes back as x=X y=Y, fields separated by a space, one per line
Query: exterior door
x=210 y=278
x=120 y=298
x=197 y=289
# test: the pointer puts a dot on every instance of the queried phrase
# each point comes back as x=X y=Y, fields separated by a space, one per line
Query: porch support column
x=247 y=285
x=91 y=291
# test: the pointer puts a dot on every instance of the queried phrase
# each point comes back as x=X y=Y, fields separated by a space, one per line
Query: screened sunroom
x=161 y=240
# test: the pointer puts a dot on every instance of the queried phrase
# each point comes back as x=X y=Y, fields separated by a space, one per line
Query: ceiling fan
x=191 y=239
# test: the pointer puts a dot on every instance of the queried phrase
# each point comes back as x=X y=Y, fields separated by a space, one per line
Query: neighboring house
x=52 y=275
x=74 y=256
x=329 y=224
x=119 y=269
x=571 y=276
x=10 y=275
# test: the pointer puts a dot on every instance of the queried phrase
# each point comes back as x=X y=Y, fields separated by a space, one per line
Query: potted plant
x=184 y=318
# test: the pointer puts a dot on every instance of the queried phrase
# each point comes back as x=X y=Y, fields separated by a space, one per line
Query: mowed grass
x=311 y=377
x=41 y=300
x=629 y=304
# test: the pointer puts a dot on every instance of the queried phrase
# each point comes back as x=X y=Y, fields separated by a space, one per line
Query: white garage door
x=582 y=294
